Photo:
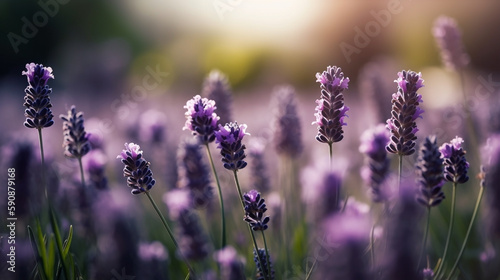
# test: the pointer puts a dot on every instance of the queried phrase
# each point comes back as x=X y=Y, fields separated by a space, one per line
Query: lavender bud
x=286 y=127
x=76 y=141
x=263 y=271
x=255 y=207
x=331 y=111
x=230 y=263
x=430 y=173
x=201 y=118
x=37 y=99
x=216 y=87
x=455 y=164
x=449 y=40
x=376 y=170
x=232 y=150
x=404 y=112
x=139 y=176
x=193 y=173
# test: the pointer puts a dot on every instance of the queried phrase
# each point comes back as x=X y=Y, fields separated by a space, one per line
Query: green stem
x=400 y=171
x=256 y=248
x=424 y=240
x=42 y=156
x=169 y=231
x=221 y=200
x=474 y=214
x=82 y=176
x=372 y=245
x=312 y=268
x=450 y=228
x=268 y=258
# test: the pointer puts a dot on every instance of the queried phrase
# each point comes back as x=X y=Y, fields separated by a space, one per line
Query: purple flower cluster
x=139 y=175
x=76 y=141
x=331 y=111
x=201 y=118
x=376 y=171
x=231 y=263
x=449 y=41
x=455 y=164
x=263 y=271
x=232 y=150
x=255 y=207
x=37 y=99
x=430 y=173
x=193 y=173
x=405 y=111
x=261 y=180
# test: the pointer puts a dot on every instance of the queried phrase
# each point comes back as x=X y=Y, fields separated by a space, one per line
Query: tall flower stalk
x=455 y=171
x=202 y=121
x=76 y=141
x=229 y=139
x=37 y=102
x=430 y=180
x=140 y=180
x=405 y=111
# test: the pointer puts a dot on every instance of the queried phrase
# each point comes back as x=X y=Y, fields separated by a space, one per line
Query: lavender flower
x=201 y=118
x=455 y=164
x=263 y=271
x=193 y=242
x=404 y=112
x=232 y=150
x=449 y=41
x=230 y=263
x=193 y=173
x=261 y=180
x=255 y=207
x=430 y=173
x=139 y=176
x=76 y=141
x=37 y=100
x=376 y=171
x=331 y=111
x=153 y=257
x=286 y=127
x=216 y=87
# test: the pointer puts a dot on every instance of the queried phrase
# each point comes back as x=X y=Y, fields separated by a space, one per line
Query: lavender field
x=250 y=140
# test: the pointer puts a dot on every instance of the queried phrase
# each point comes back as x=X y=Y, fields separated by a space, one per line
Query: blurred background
x=117 y=59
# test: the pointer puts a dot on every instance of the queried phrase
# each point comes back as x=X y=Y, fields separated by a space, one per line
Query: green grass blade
x=67 y=242
x=39 y=259
x=57 y=233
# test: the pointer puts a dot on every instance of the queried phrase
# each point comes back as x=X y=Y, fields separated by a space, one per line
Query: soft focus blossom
x=376 y=169
x=449 y=41
x=76 y=141
x=231 y=263
x=260 y=175
x=287 y=130
x=216 y=87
